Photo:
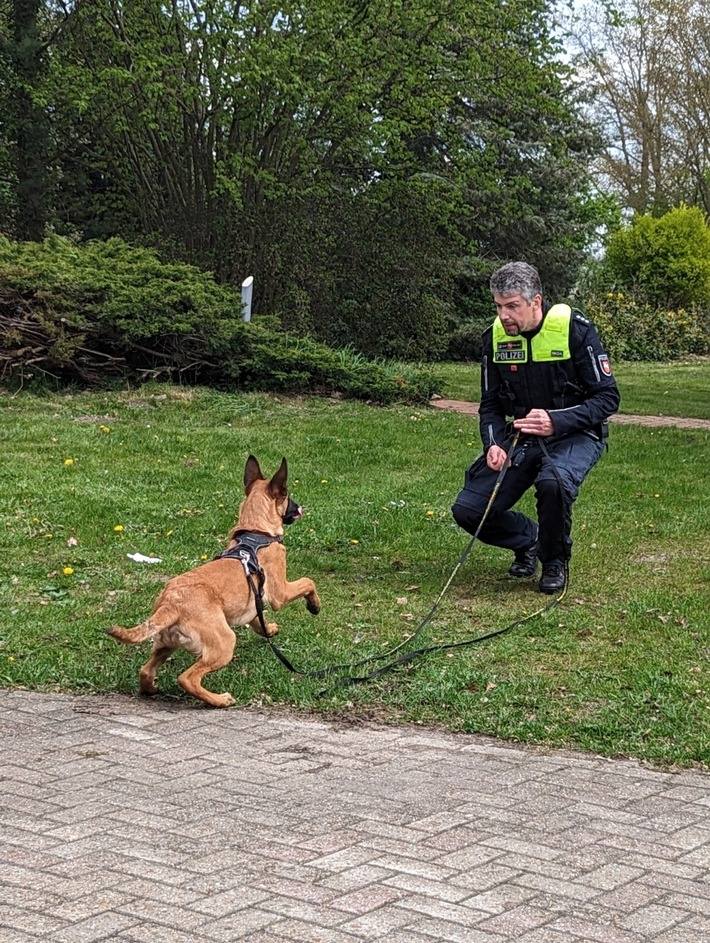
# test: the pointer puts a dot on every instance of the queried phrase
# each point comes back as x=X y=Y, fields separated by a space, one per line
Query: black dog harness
x=246 y=547
x=248 y=543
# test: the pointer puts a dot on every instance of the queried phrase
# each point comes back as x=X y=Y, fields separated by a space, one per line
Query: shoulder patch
x=580 y=317
x=604 y=364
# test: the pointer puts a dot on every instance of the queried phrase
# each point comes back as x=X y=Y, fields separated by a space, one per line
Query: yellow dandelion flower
x=68 y=461
x=354 y=541
x=105 y=429
x=324 y=481
x=118 y=528
x=429 y=513
x=68 y=570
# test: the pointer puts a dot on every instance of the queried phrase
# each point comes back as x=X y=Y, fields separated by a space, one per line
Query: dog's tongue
x=298 y=513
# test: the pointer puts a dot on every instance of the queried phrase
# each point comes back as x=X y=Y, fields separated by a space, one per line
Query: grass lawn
x=619 y=668
x=647 y=389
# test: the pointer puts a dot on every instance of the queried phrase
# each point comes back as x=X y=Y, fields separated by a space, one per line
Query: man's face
x=517 y=314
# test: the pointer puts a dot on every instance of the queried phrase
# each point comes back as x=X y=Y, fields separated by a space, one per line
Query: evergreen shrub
x=104 y=311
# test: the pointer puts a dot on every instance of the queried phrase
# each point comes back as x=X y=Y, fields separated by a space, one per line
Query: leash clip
x=245 y=557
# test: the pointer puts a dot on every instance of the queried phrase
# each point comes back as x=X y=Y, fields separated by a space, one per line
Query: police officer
x=544 y=366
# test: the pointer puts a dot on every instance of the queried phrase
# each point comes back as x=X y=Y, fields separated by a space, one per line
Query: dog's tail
x=162 y=618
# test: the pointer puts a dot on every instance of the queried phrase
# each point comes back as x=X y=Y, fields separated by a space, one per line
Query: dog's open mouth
x=293 y=512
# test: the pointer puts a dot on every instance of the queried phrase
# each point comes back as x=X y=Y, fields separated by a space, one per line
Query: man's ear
x=252 y=473
x=277 y=485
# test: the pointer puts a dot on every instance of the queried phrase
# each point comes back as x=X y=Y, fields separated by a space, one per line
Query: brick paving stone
x=441 y=890
x=95 y=929
x=404 y=936
x=441 y=930
x=378 y=923
x=547 y=935
x=300 y=932
x=516 y=921
x=501 y=899
x=610 y=876
x=352 y=878
x=649 y=920
x=28 y=920
x=594 y=931
x=484 y=877
x=629 y=898
x=238 y=925
x=91 y=905
x=693 y=905
x=692 y=931
x=366 y=899
x=141 y=821
x=443 y=910
x=11 y=935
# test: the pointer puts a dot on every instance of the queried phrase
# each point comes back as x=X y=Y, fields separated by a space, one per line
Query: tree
x=27 y=129
x=648 y=68
x=348 y=154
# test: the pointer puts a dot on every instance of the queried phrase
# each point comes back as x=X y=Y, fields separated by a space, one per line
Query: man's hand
x=495 y=457
x=537 y=422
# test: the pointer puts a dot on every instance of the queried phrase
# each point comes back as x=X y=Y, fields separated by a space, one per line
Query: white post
x=247 y=286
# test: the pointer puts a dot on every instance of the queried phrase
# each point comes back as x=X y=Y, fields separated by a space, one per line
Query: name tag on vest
x=510 y=350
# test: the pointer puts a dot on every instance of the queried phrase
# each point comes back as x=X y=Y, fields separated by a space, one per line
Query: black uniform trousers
x=573 y=457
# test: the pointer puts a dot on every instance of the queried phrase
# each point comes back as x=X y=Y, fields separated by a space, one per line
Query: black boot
x=525 y=564
x=553 y=578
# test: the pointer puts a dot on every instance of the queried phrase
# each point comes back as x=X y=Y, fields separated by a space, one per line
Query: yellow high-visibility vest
x=551 y=343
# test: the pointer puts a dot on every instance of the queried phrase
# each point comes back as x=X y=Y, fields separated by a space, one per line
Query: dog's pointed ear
x=277 y=485
x=252 y=473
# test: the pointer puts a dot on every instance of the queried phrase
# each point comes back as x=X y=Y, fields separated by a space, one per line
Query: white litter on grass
x=141 y=558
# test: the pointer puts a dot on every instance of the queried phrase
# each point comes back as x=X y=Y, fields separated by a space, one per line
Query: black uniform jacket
x=580 y=393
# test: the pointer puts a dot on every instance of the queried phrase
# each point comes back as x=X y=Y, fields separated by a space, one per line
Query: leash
x=333 y=669
x=410 y=656
x=430 y=649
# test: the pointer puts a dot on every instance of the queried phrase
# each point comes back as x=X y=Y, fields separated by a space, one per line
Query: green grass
x=619 y=668
x=647 y=389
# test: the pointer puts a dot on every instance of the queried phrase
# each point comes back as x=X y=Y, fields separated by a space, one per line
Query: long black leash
x=429 y=649
x=334 y=669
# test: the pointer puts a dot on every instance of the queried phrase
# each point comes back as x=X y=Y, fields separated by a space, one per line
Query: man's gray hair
x=516 y=278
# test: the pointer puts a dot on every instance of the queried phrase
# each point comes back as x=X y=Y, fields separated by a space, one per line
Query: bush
x=632 y=329
x=465 y=341
x=666 y=260
x=103 y=311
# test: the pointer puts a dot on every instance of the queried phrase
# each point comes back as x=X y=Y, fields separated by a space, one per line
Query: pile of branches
x=33 y=343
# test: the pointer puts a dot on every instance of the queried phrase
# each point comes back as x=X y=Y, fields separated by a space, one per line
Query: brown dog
x=196 y=610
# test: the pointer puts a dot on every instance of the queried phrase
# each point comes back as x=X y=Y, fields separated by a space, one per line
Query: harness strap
x=245 y=551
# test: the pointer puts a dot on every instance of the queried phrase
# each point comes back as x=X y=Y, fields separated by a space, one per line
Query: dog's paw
x=223 y=700
x=272 y=628
x=313 y=606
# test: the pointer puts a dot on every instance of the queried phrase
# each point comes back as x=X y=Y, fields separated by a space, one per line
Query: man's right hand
x=495 y=457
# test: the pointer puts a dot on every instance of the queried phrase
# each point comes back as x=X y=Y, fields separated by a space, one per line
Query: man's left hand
x=537 y=422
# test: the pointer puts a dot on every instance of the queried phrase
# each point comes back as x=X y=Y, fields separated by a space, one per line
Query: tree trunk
x=29 y=131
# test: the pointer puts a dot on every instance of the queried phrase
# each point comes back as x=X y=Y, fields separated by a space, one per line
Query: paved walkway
x=471 y=409
x=162 y=822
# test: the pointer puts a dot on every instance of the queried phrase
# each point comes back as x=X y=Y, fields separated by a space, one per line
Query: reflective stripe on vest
x=549 y=344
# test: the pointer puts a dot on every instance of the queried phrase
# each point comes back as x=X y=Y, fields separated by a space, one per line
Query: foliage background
x=367 y=163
